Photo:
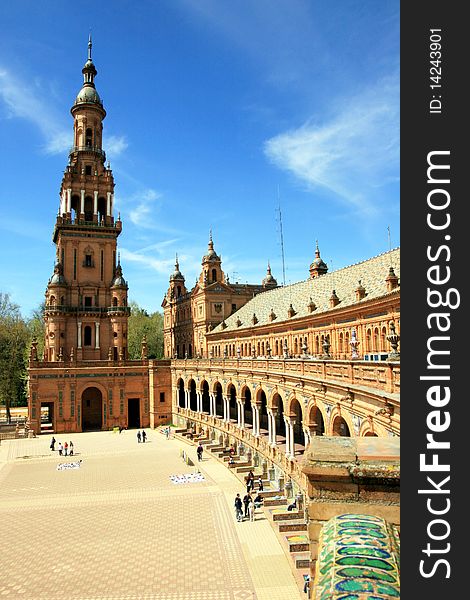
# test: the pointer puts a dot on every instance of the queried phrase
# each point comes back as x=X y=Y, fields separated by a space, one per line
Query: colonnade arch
x=205 y=397
x=192 y=395
x=232 y=398
x=180 y=393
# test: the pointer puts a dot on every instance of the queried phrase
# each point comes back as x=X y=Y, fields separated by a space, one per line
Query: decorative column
x=242 y=415
x=97 y=335
x=211 y=405
x=95 y=203
x=306 y=437
x=226 y=409
x=108 y=204
x=186 y=398
x=255 y=420
x=111 y=208
x=199 y=402
x=82 y=201
x=288 y=434
x=238 y=413
x=79 y=334
x=69 y=200
x=177 y=399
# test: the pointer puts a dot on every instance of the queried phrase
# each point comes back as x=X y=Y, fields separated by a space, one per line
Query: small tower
x=177 y=287
x=269 y=281
x=318 y=267
x=391 y=280
x=211 y=266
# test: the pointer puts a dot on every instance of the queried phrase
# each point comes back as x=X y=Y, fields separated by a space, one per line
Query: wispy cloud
x=353 y=153
x=26 y=100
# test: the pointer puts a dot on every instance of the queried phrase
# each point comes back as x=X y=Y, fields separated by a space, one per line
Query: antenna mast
x=282 y=240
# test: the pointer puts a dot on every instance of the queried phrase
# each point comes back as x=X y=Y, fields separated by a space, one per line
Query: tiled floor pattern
x=119 y=529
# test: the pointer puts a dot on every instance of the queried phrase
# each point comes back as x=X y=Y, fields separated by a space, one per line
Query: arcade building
x=302 y=380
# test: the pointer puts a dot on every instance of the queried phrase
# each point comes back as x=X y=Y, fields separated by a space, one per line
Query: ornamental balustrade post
x=255 y=420
x=288 y=436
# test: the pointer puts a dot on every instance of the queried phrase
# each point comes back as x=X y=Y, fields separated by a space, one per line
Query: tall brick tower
x=86 y=308
x=85 y=380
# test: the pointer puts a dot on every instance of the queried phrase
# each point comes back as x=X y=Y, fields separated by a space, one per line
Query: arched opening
x=192 y=395
x=74 y=207
x=92 y=409
x=219 y=404
x=278 y=410
x=88 y=138
x=101 y=209
x=180 y=386
x=87 y=336
x=88 y=208
x=214 y=275
x=299 y=438
x=263 y=413
x=383 y=339
x=340 y=427
x=205 y=397
x=368 y=340
x=233 y=403
x=376 y=340
x=316 y=422
x=248 y=409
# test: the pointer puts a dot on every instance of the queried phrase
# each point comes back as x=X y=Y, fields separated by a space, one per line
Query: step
x=275 y=502
x=297 y=542
x=241 y=465
x=292 y=526
x=270 y=493
x=285 y=515
x=301 y=560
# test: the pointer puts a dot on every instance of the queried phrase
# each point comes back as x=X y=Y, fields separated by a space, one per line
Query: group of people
x=141 y=437
x=245 y=509
x=65 y=449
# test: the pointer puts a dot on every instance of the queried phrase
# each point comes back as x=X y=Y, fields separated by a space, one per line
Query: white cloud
x=352 y=154
x=115 y=145
x=26 y=100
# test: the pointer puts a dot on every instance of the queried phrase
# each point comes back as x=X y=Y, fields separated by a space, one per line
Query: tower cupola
x=318 y=266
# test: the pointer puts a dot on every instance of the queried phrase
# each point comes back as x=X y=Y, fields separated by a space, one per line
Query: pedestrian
x=52 y=446
x=258 y=501
x=71 y=448
x=231 y=461
x=246 y=502
x=260 y=484
x=138 y=436
x=238 y=508
x=168 y=430
x=66 y=448
x=292 y=505
x=199 y=451
x=144 y=436
x=60 y=448
x=251 y=509
x=251 y=480
x=120 y=428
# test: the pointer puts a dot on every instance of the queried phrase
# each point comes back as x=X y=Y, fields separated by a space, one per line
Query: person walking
x=144 y=436
x=251 y=509
x=60 y=448
x=260 y=484
x=251 y=480
x=246 y=502
x=139 y=437
x=52 y=446
x=71 y=448
x=66 y=448
x=238 y=508
x=199 y=451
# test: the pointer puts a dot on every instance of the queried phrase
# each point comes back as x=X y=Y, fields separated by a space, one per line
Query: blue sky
x=217 y=113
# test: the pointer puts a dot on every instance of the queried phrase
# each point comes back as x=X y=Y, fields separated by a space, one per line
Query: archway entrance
x=92 y=409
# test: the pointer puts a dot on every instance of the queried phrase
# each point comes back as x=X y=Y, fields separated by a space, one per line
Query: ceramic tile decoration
x=358 y=559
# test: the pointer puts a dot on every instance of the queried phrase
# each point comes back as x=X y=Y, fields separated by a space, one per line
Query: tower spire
x=89 y=46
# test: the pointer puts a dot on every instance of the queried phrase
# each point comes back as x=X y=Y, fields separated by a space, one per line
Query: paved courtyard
x=117 y=528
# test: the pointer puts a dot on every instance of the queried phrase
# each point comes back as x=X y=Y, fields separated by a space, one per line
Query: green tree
x=14 y=338
x=141 y=324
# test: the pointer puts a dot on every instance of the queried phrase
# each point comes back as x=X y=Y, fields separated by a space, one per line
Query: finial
x=210 y=234
x=317 y=249
x=119 y=258
x=89 y=46
x=176 y=262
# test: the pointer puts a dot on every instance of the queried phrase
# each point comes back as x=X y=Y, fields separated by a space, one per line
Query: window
x=88 y=261
x=162 y=396
x=234 y=308
x=88 y=300
x=88 y=170
x=87 y=336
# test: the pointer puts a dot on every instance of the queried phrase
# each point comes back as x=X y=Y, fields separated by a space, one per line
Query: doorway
x=92 y=410
x=133 y=412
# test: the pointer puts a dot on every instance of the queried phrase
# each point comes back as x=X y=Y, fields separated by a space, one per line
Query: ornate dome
x=318 y=266
x=176 y=275
x=269 y=280
x=119 y=280
x=58 y=276
x=211 y=253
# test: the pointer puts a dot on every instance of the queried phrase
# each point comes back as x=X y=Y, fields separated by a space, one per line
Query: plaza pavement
x=117 y=528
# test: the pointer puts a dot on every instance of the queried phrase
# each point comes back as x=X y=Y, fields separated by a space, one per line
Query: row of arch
x=283 y=422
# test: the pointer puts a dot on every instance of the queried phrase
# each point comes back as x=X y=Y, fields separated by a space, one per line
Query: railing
x=95 y=149
x=88 y=309
x=381 y=375
x=106 y=223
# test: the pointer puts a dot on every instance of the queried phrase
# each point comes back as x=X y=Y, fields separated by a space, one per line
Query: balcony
x=91 y=149
x=88 y=310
